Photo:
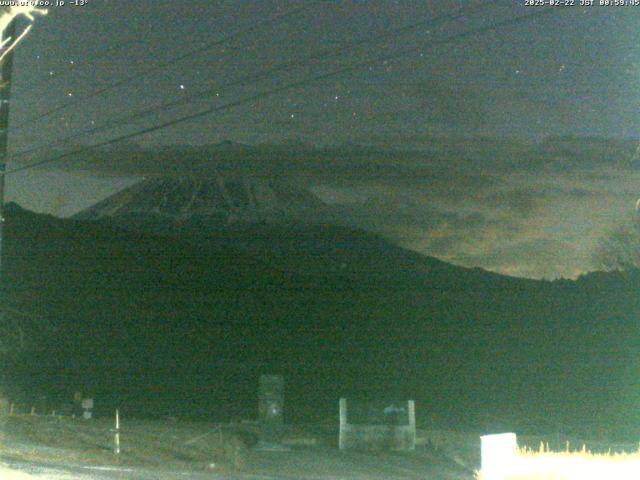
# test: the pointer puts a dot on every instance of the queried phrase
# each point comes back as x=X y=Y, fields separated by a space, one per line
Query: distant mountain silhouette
x=167 y=325
x=163 y=204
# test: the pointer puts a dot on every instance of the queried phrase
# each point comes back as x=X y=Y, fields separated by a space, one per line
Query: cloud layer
x=533 y=210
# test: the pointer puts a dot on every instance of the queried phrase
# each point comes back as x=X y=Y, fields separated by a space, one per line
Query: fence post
x=343 y=424
x=411 y=405
x=116 y=437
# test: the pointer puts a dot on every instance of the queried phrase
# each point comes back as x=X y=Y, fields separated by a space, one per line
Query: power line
x=99 y=55
x=290 y=86
x=190 y=53
x=109 y=50
x=283 y=66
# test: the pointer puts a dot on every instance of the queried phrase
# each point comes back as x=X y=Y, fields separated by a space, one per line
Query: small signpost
x=270 y=412
x=87 y=408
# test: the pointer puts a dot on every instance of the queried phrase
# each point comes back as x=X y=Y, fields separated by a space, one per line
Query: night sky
x=572 y=71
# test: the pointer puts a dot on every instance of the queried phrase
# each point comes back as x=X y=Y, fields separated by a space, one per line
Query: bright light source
x=7 y=14
x=499 y=454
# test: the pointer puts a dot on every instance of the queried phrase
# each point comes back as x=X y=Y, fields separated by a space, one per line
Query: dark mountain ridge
x=157 y=324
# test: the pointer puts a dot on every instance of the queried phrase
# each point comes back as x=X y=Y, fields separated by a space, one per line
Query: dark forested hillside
x=161 y=325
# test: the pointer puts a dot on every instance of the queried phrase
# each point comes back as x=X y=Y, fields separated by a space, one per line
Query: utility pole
x=5 y=97
x=6 y=70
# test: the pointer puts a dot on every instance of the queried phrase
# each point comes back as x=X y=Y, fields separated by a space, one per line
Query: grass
x=578 y=465
x=169 y=443
x=172 y=444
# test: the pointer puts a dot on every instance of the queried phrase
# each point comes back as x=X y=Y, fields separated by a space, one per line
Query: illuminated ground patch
x=502 y=462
